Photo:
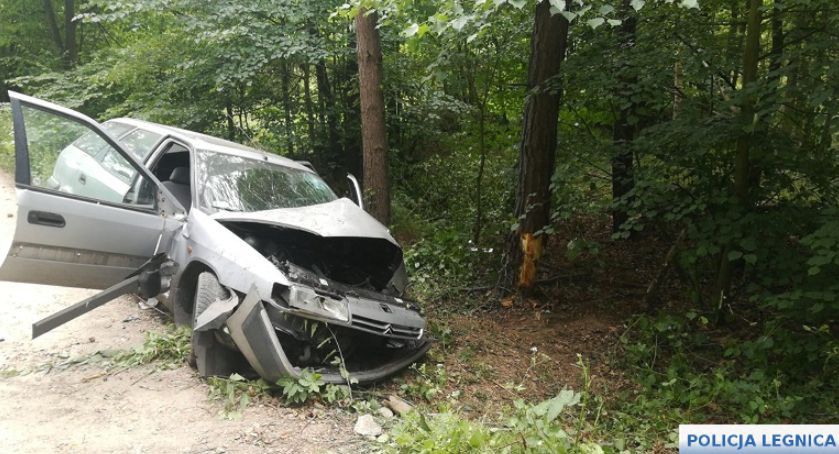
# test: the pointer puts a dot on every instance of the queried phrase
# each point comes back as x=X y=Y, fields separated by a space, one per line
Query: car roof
x=201 y=141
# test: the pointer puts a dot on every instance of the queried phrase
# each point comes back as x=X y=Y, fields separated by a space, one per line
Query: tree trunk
x=537 y=150
x=742 y=164
x=289 y=126
x=327 y=97
x=373 y=132
x=479 y=180
x=52 y=26
x=678 y=86
x=231 y=127
x=623 y=176
x=71 y=49
x=346 y=78
x=307 y=101
x=482 y=149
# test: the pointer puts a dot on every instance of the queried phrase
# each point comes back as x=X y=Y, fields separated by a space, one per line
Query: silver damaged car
x=255 y=252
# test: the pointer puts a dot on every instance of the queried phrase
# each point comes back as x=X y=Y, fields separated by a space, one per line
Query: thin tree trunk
x=777 y=52
x=482 y=149
x=479 y=181
x=373 y=132
x=307 y=101
x=350 y=121
x=286 y=98
x=231 y=126
x=52 y=26
x=734 y=41
x=678 y=86
x=742 y=163
x=327 y=96
x=71 y=49
x=537 y=151
x=623 y=133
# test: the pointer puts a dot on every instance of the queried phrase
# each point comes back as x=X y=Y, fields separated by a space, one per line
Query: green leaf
x=637 y=4
x=411 y=31
x=568 y=15
x=459 y=23
x=558 y=5
x=734 y=255
x=596 y=22
x=820 y=260
x=690 y=4
x=565 y=398
x=519 y=4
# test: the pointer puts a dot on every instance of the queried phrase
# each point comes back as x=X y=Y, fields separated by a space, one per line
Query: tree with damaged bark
x=537 y=152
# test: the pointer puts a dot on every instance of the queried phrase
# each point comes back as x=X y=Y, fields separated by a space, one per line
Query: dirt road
x=49 y=404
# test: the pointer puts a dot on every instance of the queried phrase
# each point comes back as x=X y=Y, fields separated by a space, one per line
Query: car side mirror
x=356 y=188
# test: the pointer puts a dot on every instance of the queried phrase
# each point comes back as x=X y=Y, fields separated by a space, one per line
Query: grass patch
x=169 y=348
x=547 y=427
x=235 y=393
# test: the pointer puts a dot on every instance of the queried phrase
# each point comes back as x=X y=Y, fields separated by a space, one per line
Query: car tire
x=210 y=356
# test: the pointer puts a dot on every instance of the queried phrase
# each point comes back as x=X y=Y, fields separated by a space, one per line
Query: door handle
x=46 y=218
x=82 y=179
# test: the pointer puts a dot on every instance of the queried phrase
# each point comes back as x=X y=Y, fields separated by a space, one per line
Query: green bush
x=693 y=374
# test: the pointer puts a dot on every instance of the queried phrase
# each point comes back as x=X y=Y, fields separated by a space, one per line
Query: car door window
x=71 y=157
x=139 y=143
x=116 y=129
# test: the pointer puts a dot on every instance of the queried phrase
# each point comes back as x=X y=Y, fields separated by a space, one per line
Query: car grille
x=386 y=329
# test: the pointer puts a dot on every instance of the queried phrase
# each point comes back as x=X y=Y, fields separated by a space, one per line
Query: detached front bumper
x=253 y=327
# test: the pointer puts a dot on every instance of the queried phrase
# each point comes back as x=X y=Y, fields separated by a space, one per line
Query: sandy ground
x=49 y=403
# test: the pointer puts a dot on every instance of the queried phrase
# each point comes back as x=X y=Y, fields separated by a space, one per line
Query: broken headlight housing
x=318 y=304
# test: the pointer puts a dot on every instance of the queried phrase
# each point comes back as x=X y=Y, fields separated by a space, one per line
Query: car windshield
x=233 y=183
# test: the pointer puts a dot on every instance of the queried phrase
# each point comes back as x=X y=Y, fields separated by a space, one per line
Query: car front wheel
x=209 y=355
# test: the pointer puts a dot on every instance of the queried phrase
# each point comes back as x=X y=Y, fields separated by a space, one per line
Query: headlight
x=306 y=300
x=338 y=309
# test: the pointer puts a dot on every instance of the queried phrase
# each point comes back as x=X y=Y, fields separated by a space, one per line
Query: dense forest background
x=690 y=148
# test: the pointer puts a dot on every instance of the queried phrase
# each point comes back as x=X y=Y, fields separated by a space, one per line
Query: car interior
x=172 y=169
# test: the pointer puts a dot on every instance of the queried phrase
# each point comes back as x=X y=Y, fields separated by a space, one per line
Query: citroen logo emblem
x=388 y=329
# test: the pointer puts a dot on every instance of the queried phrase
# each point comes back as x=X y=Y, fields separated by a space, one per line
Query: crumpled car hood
x=339 y=218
